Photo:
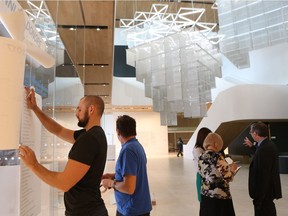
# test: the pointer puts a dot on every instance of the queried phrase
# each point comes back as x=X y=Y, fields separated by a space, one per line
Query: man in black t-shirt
x=81 y=177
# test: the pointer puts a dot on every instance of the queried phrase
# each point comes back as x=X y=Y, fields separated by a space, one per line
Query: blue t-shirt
x=132 y=161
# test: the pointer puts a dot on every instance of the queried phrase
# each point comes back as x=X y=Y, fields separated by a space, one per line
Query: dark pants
x=216 y=207
x=99 y=212
x=146 y=214
x=179 y=153
x=266 y=208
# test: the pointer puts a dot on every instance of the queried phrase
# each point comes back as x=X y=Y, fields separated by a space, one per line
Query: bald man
x=81 y=177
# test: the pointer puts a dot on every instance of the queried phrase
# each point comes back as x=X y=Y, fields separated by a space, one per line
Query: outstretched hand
x=30 y=98
x=247 y=142
x=27 y=155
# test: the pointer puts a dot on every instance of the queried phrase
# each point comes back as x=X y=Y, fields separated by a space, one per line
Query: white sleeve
x=196 y=153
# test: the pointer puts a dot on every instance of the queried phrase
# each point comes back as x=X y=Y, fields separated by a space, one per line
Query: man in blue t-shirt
x=130 y=181
x=82 y=175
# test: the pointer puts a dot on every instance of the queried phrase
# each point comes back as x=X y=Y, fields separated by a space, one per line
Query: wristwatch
x=114 y=184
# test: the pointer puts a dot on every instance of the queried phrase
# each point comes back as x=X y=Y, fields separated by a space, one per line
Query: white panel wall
x=150 y=133
x=129 y=92
x=268 y=66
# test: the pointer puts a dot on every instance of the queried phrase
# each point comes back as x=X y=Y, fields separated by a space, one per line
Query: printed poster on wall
x=30 y=185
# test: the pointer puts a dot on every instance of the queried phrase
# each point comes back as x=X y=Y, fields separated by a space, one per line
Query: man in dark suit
x=264 y=178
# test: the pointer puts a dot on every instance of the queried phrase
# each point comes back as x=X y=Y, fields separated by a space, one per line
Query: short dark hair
x=96 y=101
x=260 y=129
x=126 y=126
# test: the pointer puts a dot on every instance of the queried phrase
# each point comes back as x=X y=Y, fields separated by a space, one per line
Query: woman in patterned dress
x=216 y=174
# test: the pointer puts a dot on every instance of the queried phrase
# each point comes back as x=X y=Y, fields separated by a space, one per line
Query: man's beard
x=84 y=121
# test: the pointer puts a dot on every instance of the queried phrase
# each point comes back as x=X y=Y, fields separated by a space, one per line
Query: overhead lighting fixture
x=39 y=15
x=102 y=84
x=176 y=59
x=148 y=26
x=82 y=27
x=215 y=5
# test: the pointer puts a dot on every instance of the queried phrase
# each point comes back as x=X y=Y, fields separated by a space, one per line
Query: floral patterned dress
x=215 y=175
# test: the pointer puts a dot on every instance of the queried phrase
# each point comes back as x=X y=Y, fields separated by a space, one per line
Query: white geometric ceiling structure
x=150 y=26
x=250 y=25
x=42 y=20
x=177 y=60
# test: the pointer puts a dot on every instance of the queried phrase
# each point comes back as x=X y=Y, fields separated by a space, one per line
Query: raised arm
x=51 y=125
x=73 y=172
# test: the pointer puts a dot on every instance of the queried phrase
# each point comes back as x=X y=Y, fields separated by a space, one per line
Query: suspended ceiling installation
x=86 y=29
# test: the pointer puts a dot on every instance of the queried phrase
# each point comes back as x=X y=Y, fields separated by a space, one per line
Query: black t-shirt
x=84 y=198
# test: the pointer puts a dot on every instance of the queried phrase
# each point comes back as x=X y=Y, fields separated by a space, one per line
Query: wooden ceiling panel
x=99 y=46
x=107 y=100
x=65 y=12
x=97 y=90
x=92 y=77
x=95 y=74
x=127 y=9
x=74 y=43
x=99 y=13
x=86 y=46
x=24 y=4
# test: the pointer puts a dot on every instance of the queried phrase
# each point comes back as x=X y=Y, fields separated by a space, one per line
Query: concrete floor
x=172 y=183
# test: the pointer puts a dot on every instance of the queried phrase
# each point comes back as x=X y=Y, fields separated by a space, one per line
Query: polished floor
x=172 y=184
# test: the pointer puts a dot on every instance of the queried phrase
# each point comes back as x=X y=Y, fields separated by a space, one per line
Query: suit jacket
x=264 y=177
